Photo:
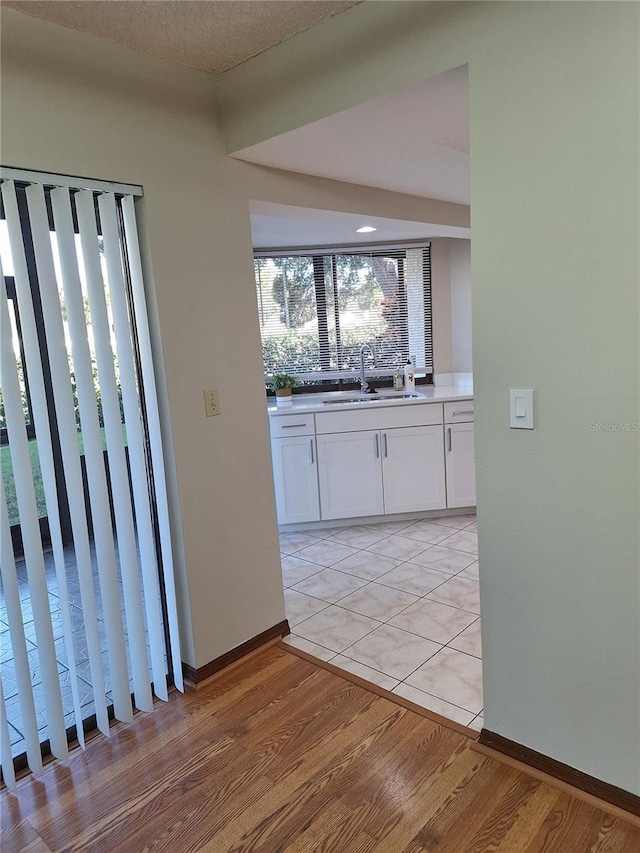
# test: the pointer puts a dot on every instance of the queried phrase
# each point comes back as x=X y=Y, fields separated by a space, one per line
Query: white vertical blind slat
x=68 y=446
x=117 y=463
x=47 y=468
x=68 y=436
x=135 y=442
x=30 y=525
x=94 y=461
x=155 y=434
x=65 y=415
x=10 y=586
x=18 y=642
x=6 y=761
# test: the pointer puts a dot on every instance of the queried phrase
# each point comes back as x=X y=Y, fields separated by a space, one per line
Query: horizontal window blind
x=317 y=310
x=87 y=580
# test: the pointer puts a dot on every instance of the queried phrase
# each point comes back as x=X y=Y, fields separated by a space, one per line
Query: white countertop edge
x=428 y=394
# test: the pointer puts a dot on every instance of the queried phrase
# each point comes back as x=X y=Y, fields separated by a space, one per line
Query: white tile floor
x=395 y=603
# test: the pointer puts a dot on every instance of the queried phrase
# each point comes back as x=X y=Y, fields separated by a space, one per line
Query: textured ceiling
x=211 y=35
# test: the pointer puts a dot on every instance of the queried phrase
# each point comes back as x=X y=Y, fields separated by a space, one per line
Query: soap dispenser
x=409 y=377
x=398 y=379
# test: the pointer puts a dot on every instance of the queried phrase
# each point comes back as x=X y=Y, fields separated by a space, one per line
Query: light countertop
x=427 y=394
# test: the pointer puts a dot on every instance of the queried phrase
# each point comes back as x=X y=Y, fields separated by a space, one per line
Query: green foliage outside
x=363 y=284
x=8 y=481
x=5 y=455
x=293 y=287
x=6 y=467
x=293 y=290
x=301 y=348
x=9 y=484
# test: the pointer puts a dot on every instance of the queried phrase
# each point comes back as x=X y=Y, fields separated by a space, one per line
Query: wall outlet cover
x=211 y=402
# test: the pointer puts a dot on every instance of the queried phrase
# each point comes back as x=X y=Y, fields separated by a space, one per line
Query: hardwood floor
x=279 y=754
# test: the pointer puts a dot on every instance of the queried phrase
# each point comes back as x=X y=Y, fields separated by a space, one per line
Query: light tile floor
x=395 y=603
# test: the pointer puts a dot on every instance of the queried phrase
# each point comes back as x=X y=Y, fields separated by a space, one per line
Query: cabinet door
x=296 y=479
x=461 y=473
x=350 y=475
x=413 y=469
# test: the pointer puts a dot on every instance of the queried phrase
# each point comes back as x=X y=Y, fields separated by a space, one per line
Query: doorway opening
x=394 y=599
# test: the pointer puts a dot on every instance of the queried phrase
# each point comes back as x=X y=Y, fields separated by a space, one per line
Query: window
x=317 y=310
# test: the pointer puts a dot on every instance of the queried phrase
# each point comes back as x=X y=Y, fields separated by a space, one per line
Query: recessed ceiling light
x=366 y=229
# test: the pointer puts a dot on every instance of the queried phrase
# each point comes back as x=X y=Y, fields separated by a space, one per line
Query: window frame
x=326 y=379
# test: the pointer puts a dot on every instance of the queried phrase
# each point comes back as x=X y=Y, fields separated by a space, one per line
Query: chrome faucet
x=364 y=385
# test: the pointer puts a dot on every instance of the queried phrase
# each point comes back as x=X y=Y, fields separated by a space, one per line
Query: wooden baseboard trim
x=194 y=678
x=380 y=691
x=601 y=794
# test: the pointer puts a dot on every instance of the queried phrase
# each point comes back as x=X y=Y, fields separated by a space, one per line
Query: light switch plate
x=521 y=408
x=211 y=402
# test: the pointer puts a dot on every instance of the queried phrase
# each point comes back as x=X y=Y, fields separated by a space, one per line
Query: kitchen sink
x=368 y=398
x=399 y=396
x=344 y=400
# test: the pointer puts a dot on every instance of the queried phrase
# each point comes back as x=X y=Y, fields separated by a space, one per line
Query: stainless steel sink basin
x=344 y=400
x=368 y=398
x=399 y=396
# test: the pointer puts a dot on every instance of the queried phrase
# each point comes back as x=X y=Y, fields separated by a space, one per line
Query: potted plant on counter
x=282 y=383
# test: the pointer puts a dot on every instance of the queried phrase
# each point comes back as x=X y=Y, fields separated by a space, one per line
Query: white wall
x=451 y=300
x=441 y=305
x=461 y=335
x=554 y=95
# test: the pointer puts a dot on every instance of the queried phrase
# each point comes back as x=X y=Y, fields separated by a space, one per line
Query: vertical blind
x=90 y=606
x=317 y=310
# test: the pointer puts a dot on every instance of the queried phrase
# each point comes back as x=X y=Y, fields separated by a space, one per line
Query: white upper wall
x=366 y=52
x=414 y=141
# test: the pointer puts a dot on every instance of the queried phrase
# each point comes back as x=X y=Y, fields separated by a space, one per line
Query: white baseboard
x=426 y=515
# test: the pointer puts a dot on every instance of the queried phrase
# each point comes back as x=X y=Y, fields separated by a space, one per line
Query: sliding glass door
x=88 y=620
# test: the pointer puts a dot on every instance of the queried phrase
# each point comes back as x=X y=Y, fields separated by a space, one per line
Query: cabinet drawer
x=385 y=417
x=460 y=412
x=283 y=425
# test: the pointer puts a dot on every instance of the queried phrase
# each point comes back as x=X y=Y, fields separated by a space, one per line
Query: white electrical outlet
x=211 y=402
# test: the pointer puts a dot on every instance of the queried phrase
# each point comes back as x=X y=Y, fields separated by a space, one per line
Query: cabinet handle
x=384 y=439
x=466 y=412
x=377 y=446
x=311 y=447
x=292 y=426
x=449 y=439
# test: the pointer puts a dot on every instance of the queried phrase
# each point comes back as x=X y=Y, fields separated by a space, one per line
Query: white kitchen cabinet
x=295 y=474
x=350 y=474
x=460 y=465
x=413 y=469
x=372 y=460
x=398 y=467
